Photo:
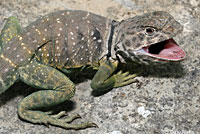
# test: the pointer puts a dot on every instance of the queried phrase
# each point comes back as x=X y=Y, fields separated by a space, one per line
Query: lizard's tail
x=8 y=73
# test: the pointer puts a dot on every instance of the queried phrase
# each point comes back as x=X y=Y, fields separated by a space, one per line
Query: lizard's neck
x=110 y=38
x=114 y=33
x=117 y=34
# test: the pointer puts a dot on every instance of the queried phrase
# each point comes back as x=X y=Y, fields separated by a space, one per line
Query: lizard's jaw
x=165 y=50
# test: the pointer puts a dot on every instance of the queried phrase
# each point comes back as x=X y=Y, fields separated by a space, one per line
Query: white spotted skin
x=77 y=38
x=8 y=74
x=64 y=39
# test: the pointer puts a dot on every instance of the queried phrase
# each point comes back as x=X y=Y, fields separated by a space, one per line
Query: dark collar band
x=110 y=38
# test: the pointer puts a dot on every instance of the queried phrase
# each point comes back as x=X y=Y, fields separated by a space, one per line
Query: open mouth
x=165 y=50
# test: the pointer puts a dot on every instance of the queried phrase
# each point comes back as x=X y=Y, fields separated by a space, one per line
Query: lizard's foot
x=38 y=117
x=122 y=79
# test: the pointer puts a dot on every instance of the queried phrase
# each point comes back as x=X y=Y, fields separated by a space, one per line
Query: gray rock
x=169 y=94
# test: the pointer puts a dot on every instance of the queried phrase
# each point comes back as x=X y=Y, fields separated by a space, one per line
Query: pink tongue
x=172 y=51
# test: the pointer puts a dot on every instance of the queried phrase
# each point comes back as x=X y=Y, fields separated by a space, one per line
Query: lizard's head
x=149 y=38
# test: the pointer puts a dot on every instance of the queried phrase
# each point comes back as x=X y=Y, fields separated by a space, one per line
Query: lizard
x=54 y=44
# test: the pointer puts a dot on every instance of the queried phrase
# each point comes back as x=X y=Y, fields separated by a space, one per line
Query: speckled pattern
x=169 y=93
x=87 y=30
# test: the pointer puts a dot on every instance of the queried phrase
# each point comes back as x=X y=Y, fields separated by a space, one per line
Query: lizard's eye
x=150 y=31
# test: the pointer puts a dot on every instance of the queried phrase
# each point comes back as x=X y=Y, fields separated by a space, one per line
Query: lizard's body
x=73 y=45
x=72 y=39
x=60 y=32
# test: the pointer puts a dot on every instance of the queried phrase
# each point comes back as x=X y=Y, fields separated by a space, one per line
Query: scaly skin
x=58 y=42
x=10 y=30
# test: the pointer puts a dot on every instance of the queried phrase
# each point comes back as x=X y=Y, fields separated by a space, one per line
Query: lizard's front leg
x=106 y=78
x=102 y=81
x=59 y=89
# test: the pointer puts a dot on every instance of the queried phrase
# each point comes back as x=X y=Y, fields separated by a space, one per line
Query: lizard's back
x=62 y=39
x=77 y=39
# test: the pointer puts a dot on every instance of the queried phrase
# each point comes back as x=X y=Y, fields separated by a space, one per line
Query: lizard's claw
x=93 y=125
x=122 y=79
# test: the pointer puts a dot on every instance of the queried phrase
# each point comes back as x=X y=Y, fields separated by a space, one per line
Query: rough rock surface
x=165 y=101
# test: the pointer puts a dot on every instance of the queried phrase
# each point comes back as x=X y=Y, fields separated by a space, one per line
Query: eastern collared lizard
x=58 y=42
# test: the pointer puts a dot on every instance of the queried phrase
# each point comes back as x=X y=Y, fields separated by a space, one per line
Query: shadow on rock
x=164 y=70
x=171 y=70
